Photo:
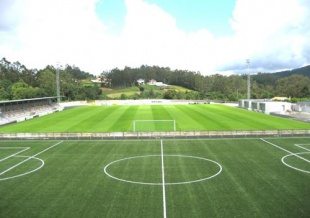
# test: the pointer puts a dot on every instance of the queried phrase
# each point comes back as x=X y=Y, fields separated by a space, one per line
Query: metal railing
x=153 y=135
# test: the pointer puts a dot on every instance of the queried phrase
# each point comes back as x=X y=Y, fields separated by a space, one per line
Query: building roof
x=23 y=100
x=280 y=98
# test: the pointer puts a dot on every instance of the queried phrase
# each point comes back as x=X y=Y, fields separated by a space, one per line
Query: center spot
x=147 y=170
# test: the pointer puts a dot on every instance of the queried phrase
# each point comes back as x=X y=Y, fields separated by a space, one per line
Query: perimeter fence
x=154 y=135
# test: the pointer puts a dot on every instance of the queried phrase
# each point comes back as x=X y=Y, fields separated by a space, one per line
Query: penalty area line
x=300 y=146
x=24 y=149
x=16 y=165
x=291 y=153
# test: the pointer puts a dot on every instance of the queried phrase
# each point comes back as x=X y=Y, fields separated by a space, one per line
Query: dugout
x=19 y=110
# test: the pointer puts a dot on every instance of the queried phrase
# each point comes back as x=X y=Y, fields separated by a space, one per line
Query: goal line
x=154 y=125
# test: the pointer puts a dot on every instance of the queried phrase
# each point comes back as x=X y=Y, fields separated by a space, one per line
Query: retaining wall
x=153 y=135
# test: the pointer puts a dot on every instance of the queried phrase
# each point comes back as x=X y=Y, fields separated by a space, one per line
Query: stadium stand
x=20 y=110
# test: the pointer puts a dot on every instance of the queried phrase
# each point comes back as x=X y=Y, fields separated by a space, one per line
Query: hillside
x=19 y=82
x=144 y=91
x=305 y=71
x=271 y=78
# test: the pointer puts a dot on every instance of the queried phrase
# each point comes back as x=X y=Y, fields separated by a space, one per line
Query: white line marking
x=23 y=174
x=295 y=168
x=300 y=146
x=12 y=147
x=286 y=150
x=163 y=177
x=25 y=148
x=157 y=155
x=16 y=165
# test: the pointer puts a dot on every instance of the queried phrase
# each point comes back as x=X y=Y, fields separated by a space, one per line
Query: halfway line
x=163 y=177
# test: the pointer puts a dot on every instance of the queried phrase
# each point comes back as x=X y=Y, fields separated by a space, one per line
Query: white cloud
x=149 y=34
x=54 y=30
x=66 y=31
x=271 y=33
x=151 y=37
x=274 y=34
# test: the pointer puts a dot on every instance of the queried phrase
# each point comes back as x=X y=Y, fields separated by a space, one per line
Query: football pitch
x=252 y=177
x=124 y=119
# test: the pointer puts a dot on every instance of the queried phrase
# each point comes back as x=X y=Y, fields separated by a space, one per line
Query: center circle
x=124 y=160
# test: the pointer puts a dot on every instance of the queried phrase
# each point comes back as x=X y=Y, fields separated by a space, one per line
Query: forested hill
x=271 y=78
x=19 y=82
x=233 y=87
x=305 y=71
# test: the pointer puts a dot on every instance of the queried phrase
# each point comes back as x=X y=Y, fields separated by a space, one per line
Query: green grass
x=131 y=91
x=72 y=182
x=116 y=93
x=154 y=125
x=120 y=118
x=89 y=83
x=179 y=89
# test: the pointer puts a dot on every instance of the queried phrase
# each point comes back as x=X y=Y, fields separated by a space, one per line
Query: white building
x=141 y=81
x=302 y=106
x=265 y=106
x=155 y=83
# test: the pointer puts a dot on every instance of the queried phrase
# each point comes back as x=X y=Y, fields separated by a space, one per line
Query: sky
x=205 y=36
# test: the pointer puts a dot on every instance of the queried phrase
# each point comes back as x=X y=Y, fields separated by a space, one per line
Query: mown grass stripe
x=120 y=118
x=89 y=120
x=121 y=121
x=194 y=120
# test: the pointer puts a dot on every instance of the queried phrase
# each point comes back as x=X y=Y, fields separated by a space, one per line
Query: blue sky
x=206 y=36
x=112 y=12
x=191 y=15
x=196 y=14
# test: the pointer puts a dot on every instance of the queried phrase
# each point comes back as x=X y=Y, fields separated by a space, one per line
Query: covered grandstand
x=20 y=110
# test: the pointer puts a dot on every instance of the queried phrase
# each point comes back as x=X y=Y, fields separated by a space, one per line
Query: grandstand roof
x=23 y=100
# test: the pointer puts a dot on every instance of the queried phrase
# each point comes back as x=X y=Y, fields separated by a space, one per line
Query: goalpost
x=154 y=125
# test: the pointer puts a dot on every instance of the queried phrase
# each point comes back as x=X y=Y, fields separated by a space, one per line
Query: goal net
x=154 y=125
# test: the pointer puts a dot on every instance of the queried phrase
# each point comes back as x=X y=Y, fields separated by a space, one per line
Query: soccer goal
x=154 y=125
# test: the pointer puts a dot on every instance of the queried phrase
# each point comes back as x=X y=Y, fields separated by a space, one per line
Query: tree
x=47 y=81
x=305 y=92
x=16 y=81
x=292 y=86
x=20 y=90
x=5 y=89
x=141 y=88
x=170 y=94
x=151 y=93
x=123 y=96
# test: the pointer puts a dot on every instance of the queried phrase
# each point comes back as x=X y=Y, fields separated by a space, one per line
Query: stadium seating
x=25 y=113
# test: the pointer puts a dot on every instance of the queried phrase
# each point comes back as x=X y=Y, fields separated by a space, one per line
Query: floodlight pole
x=57 y=84
x=249 y=79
